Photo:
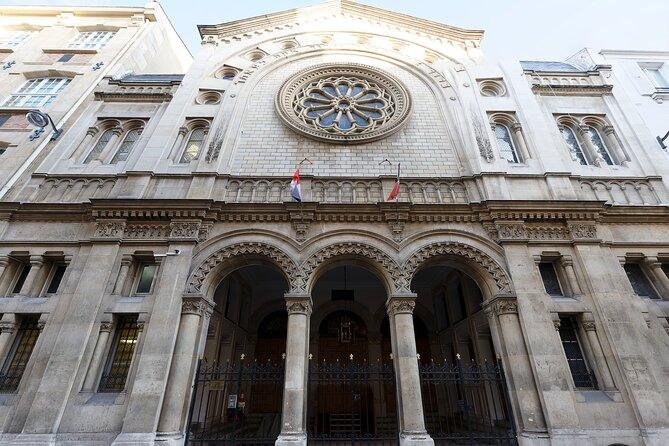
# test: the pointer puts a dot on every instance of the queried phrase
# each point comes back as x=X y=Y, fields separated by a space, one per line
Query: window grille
x=574 y=145
x=639 y=281
x=23 y=274
x=19 y=354
x=118 y=364
x=505 y=143
x=147 y=272
x=550 y=278
x=126 y=146
x=37 y=92
x=56 y=279
x=599 y=145
x=92 y=39
x=193 y=146
x=580 y=372
x=99 y=146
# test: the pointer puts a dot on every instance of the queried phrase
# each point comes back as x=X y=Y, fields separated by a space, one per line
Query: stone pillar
x=111 y=145
x=90 y=382
x=294 y=414
x=587 y=142
x=568 y=266
x=126 y=262
x=30 y=285
x=590 y=328
x=614 y=143
x=656 y=267
x=411 y=422
x=194 y=309
x=87 y=142
x=8 y=325
x=503 y=310
x=178 y=144
x=4 y=263
x=520 y=140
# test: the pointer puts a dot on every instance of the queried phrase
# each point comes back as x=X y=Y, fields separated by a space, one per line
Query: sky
x=514 y=29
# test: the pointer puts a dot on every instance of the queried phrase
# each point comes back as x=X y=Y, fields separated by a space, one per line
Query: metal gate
x=351 y=404
x=236 y=404
x=466 y=403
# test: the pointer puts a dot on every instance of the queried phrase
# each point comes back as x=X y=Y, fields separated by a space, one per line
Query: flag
x=295 y=191
x=395 y=191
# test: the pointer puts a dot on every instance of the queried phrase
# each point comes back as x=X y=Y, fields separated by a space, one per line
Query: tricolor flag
x=395 y=191
x=295 y=190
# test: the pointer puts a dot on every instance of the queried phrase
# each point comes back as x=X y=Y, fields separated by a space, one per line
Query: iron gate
x=351 y=403
x=466 y=403
x=236 y=404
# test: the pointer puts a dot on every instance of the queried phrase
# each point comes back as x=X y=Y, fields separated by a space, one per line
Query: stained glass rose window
x=344 y=104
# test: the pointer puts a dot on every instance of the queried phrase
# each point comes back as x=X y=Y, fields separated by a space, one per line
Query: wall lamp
x=661 y=140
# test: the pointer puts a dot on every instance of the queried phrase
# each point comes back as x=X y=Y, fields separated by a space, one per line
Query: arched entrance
x=351 y=386
x=462 y=383
x=239 y=383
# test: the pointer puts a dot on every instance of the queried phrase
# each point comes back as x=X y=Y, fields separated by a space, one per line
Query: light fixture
x=40 y=120
x=661 y=141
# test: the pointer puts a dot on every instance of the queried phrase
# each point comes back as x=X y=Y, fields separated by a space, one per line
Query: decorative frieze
x=109 y=229
x=185 y=230
x=146 y=231
x=521 y=231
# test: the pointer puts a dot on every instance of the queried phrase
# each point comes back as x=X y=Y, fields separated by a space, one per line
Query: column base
x=135 y=439
x=296 y=439
x=416 y=439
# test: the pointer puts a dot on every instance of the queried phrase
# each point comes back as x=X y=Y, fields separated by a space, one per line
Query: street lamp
x=661 y=140
x=40 y=120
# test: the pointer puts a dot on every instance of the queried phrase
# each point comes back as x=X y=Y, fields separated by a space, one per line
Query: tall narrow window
x=56 y=278
x=580 y=372
x=23 y=274
x=599 y=145
x=99 y=146
x=91 y=39
x=37 y=92
x=505 y=143
x=19 y=354
x=639 y=281
x=657 y=78
x=116 y=369
x=126 y=146
x=573 y=144
x=3 y=119
x=193 y=146
x=147 y=272
x=550 y=278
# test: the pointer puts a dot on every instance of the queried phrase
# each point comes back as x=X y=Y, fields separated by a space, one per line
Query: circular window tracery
x=343 y=103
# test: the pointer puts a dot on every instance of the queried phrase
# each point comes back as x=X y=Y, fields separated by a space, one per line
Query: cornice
x=572 y=90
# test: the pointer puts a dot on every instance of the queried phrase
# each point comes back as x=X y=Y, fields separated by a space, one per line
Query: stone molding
x=106 y=326
x=270 y=252
x=109 y=229
x=8 y=327
x=522 y=231
x=185 y=230
x=196 y=304
x=146 y=231
x=501 y=305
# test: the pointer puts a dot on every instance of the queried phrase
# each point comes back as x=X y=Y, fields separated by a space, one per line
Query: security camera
x=177 y=252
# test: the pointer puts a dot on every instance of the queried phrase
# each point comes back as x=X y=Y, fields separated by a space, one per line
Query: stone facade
x=203 y=192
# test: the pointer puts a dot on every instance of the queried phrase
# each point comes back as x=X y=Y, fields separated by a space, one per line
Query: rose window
x=344 y=104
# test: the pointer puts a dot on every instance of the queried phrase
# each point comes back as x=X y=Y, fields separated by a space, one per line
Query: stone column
x=614 y=143
x=178 y=144
x=30 y=285
x=568 y=266
x=4 y=263
x=656 y=267
x=411 y=422
x=294 y=414
x=98 y=358
x=596 y=348
x=503 y=310
x=587 y=142
x=8 y=325
x=194 y=309
x=111 y=145
x=520 y=140
x=87 y=142
x=126 y=262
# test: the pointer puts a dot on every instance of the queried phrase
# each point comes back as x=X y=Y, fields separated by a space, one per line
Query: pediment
x=345 y=8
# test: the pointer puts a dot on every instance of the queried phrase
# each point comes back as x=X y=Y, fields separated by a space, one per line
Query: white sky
x=516 y=29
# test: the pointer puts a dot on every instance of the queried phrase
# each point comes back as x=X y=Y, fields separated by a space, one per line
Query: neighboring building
x=515 y=293
x=53 y=57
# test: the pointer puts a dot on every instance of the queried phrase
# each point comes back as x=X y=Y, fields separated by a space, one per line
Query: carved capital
x=36 y=260
x=4 y=261
x=198 y=305
x=8 y=327
x=106 y=326
x=183 y=131
x=400 y=305
x=298 y=304
x=185 y=229
x=92 y=131
x=501 y=305
x=109 y=229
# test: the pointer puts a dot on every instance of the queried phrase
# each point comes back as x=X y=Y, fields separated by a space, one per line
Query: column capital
x=652 y=262
x=298 y=303
x=566 y=260
x=8 y=326
x=500 y=305
x=36 y=260
x=106 y=326
x=401 y=303
x=4 y=261
x=196 y=304
x=126 y=259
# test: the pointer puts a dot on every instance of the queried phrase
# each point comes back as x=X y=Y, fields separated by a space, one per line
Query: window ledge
x=16 y=110
x=598 y=396
x=6 y=49
x=70 y=50
x=105 y=399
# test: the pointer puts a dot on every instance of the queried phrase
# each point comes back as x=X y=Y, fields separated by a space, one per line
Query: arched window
x=505 y=143
x=37 y=92
x=193 y=146
x=598 y=144
x=126 y=145
x=99 y=146
x=573 y=144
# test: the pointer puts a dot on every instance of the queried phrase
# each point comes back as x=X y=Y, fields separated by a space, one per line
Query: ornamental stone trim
x=185 y=230
x=343 y=103
x=106 y=326
x=501 y=305
x=8 y=327
x=272 y=253
x=109 y=229
x=400 y=305
x=197 y=305
x=299 y=304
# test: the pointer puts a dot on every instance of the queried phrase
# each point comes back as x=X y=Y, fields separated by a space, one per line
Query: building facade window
x=91 y=39
x=24 y=269
x=505 y=143
x=14 y=39
x=99 y=146
x=574 y=146
x=591 y=140
x=581 y=373
x=118 y=138
x=126 y=146
x=641 y=285
x=146 y=274
x=19 y=354
x=119 y=360
x=550 y=279
x=65 y=57
x=599 y=145
x=55 y=278
x=37 y=92
x=4 y=119
x=193 y=145
x=655 y=74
